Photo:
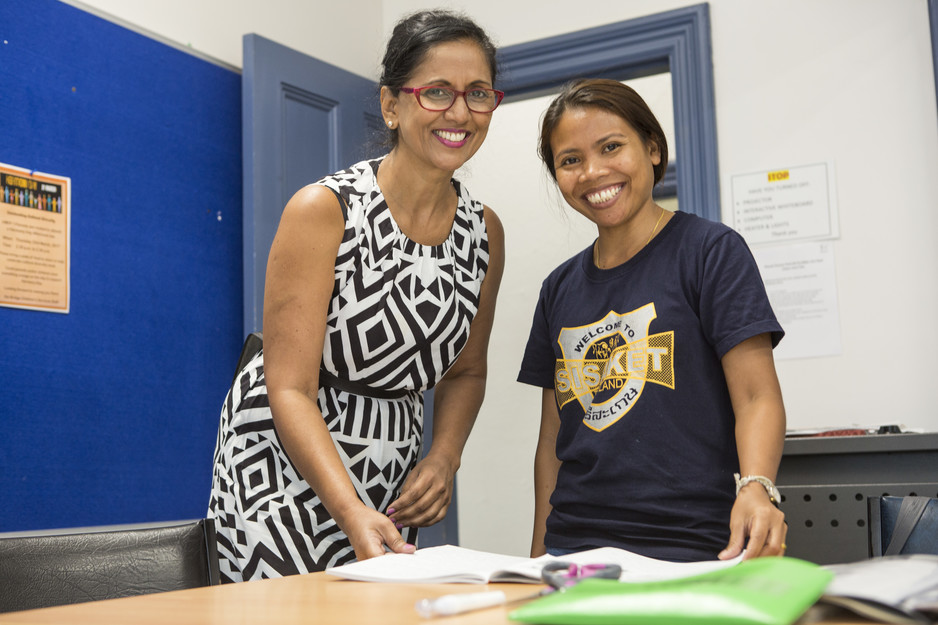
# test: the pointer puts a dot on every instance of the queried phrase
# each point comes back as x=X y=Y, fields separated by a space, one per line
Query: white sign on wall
x=785 y=204
x=802 y=287
x=794 y=207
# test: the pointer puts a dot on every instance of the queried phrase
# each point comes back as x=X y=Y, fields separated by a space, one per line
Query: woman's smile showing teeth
x=601 y=197
x=453 y=138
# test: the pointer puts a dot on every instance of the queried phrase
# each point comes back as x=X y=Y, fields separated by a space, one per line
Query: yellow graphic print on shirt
x=606 y=364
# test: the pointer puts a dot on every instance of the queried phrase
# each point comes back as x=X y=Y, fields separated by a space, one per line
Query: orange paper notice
x=35 y=246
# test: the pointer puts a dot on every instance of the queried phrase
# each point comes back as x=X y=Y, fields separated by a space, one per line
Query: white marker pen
x=459 y=603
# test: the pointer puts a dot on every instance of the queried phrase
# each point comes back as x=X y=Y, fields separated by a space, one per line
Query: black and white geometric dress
x=399 y=317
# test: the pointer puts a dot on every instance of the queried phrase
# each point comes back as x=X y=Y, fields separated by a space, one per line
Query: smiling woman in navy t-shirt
x=654 y=347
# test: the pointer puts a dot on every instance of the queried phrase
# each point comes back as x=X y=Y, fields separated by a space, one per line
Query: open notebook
x=451 y=564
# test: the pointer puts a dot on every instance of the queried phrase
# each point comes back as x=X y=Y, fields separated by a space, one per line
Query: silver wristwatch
x=774 y=496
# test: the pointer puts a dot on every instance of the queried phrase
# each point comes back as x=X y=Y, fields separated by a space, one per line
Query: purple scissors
x=561 y=575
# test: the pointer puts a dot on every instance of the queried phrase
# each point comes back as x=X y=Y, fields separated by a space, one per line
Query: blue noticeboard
x=108 y=414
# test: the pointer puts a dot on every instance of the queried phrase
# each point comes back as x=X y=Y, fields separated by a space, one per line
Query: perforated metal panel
x=825 y=483
x=829 y=524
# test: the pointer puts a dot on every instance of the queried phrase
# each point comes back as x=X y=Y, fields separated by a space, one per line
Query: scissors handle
x=560 y=574
x=604 y=571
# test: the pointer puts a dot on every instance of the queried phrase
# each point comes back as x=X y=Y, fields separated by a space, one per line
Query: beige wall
x=796 y=82
x=348 y=33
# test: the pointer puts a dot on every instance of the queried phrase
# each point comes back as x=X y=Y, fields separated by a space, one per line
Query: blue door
x=302 y=119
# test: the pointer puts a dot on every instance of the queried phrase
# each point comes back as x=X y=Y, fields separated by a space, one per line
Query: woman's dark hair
x=608 y=95
x=416 y=34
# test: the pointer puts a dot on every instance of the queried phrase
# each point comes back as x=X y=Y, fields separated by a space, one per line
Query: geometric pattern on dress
x=410 y=299
x=270 y=522
x=398 y=319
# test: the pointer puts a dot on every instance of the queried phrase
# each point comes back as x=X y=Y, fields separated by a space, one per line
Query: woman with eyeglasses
x=381 y=284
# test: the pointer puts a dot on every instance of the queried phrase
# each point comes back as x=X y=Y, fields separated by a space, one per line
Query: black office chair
x=49 y=568
x=253 y=343
x=903 y=525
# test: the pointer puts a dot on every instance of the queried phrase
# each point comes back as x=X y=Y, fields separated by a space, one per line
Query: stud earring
x=390 y=124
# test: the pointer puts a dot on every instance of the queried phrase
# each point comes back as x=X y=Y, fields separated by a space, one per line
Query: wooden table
x=311 y=599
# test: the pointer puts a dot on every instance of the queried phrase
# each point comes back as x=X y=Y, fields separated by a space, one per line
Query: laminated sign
x=35 y=254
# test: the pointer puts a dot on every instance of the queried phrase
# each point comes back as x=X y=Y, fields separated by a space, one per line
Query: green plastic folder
x=763 y=591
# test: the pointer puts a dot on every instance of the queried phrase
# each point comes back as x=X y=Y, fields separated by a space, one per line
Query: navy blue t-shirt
x=646 y=441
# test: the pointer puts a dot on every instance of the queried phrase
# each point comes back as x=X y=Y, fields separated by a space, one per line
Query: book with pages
x=452 y=564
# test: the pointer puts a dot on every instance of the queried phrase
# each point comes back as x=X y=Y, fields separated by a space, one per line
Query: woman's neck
x=422 y=200
x=615 y=247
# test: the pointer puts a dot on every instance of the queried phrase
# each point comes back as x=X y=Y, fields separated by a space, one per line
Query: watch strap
x=774 y=496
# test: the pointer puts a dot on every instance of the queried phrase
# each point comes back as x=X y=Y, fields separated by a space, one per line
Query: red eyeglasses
x=438 y=99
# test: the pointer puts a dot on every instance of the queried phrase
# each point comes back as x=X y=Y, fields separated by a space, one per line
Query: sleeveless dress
x=399 y=316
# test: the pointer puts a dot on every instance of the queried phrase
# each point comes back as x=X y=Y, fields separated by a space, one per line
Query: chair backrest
x=903 y=525
x=253 y=343
x=43 y=569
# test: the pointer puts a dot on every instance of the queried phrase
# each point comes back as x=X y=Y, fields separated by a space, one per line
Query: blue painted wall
x=108 y=414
